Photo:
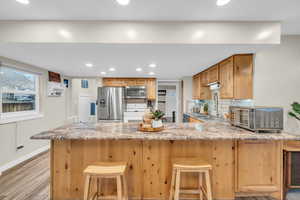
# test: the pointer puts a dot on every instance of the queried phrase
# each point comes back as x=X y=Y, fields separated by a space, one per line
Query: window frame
x=21 y=115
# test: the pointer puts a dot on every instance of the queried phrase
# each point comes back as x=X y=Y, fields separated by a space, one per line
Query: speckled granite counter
x=212 y=130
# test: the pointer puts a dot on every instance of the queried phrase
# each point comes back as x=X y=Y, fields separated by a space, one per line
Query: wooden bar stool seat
x=191 y=165
x=100 y=170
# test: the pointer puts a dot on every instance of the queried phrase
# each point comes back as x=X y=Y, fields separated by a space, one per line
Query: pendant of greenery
x=296 y=111
x=158 y=114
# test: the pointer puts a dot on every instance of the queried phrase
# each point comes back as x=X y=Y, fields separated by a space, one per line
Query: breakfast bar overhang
x=244 y=163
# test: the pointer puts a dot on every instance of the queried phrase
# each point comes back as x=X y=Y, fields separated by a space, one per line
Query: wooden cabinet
x=204 y=78
x=151 y=89
x=113 y=82
x=213 y=74
x=200 y=89
x=235 y=75
x=226 y=79
x=243 y=77
x=258 y=167
x=150 y=83
x=196 y=87
x=205 y=93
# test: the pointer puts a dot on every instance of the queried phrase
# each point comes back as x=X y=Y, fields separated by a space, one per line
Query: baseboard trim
x=22 y=159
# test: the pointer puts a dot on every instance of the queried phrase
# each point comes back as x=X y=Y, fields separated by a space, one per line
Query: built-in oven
x=135 y=92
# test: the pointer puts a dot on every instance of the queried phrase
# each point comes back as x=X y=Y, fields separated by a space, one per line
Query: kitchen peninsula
x=244 y=163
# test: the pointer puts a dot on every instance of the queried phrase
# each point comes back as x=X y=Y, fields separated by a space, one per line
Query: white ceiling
x=286 y=11
x=173 y=61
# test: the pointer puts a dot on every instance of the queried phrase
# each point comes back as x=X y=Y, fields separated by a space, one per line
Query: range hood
x=214 y=86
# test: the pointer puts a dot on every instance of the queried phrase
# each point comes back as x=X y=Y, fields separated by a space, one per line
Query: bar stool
x=102 y=170
x=191 y=166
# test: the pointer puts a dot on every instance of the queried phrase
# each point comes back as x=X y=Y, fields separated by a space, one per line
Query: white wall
x=187 y=92
x=77 y=91
x=277 y=78
x=55 y=112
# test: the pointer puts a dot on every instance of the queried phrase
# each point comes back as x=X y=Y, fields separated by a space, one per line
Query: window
x=84 y=84
x=19 y=94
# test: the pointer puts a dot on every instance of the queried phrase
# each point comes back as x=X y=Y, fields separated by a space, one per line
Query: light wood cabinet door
x=151 y=89
x=205 y=93
x=226 y=79
x=113 y=82
x=130 y=82
x=258 y=167
x=213 y=74
x=243 y=77
x=204 y=78
x=140 y=82
x=196 y=87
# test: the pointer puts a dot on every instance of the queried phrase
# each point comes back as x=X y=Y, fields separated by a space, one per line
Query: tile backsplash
x=223 y=105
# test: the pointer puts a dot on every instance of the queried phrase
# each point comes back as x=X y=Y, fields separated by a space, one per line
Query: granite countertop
x=212 y=130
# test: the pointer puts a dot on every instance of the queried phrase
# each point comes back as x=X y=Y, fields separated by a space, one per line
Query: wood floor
x=31 y=181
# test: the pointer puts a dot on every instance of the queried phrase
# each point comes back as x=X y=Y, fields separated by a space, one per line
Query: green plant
x=296 y=111
x=205 y=107
x=158 y=114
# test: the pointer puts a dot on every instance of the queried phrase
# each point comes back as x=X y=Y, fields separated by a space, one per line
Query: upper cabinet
x=235 y=75
x=196 y=86
x=213 y=74
x=226 y=79
x=150 y=83
x=243 y=77
x=151 y=89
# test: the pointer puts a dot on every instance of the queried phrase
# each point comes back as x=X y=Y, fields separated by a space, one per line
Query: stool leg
x=87 y=187
x=208 y=186
x=177 y=185
x=200 y=185
x=98 y=187
x=119 y=188
x=172 y=185
x=125 y=187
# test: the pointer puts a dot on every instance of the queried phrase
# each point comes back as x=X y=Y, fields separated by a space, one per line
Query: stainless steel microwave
x=267 y=119
x=135 y=92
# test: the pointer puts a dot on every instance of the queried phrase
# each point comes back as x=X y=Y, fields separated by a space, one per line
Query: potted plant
x=296 y=111
x=157 y=118
x=205 y=108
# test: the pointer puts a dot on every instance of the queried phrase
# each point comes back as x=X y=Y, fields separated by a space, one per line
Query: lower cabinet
x=258 y=167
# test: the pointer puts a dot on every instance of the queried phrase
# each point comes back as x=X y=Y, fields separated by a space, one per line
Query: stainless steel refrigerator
x=111 y=103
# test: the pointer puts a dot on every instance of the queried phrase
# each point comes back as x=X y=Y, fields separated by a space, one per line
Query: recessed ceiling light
x=264 y=35
x=152 y=65
x=123 y=2
x=112 y=69
x=65 y=33
x=131 y=34
x=1 y=72
x=222 y=2
x=198 y=34
x=89 y=65
x=25 y=2
x=151 y=73
x=103 y=73
x=139 y=69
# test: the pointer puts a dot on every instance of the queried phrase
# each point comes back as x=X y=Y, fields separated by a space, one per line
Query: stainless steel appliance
x=257 y=118
x=135 y=92
x=111 y=103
